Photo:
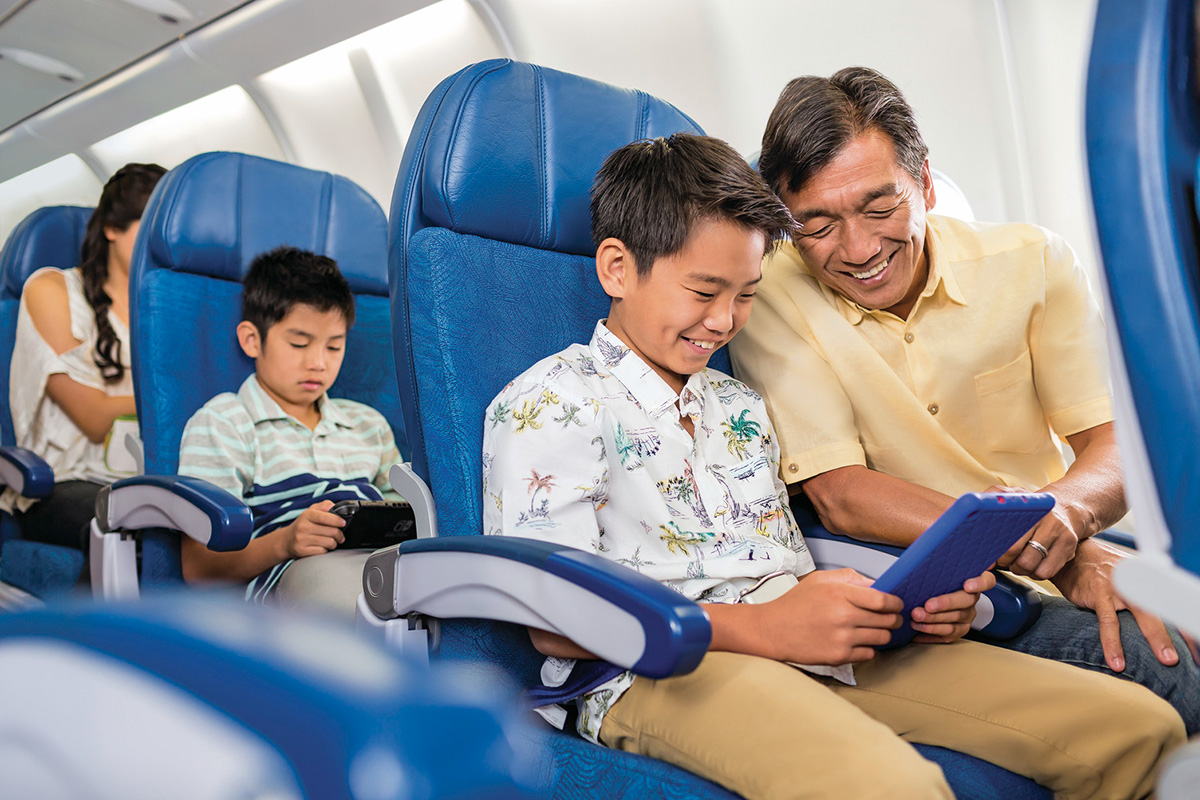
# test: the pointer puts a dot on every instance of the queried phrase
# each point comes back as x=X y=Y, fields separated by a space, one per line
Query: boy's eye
x=299 y=345
x=705 y=295
x=748 y=296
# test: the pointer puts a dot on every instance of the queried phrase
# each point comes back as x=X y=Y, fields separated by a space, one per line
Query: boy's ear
x=248 y=338
x=615 y=267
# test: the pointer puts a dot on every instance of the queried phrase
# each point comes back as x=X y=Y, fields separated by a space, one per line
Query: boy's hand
x=831 y=617
x=949 y=616
x=314 y=532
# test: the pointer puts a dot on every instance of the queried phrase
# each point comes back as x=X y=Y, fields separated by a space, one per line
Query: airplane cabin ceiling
x=90 y=38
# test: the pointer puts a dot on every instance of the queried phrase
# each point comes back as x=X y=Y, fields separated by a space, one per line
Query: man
x=934 y=358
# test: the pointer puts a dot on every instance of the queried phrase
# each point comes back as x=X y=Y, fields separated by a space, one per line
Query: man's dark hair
x=280 y=279
x=815 y=118
x=650 y=194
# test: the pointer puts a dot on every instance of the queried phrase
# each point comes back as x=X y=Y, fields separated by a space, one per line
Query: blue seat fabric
x=1143 y=139
x=48 y=237
x=492 y=269
x=204 y=223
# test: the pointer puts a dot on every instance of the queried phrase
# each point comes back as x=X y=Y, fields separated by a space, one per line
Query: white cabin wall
x=997 y=85
x=1053 y=41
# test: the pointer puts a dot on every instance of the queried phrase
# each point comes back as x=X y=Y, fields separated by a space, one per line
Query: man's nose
x=859 y=241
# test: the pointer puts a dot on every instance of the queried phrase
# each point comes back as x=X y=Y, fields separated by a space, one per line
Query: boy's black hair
x=650 y=194
x=280 y=279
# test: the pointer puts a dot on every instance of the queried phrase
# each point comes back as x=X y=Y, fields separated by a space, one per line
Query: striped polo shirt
x=249 y=446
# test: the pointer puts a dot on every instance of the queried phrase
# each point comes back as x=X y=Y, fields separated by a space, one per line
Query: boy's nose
x=720 y=318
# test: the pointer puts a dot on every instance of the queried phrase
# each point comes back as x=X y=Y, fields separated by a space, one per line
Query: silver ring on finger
x=1041 y=549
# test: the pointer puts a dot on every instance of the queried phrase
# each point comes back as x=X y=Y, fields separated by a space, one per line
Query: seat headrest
x=49 y=237
x=215 y=212
x=518 y=151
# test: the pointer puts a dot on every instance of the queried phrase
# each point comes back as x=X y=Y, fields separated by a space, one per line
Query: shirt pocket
x=1012 y=417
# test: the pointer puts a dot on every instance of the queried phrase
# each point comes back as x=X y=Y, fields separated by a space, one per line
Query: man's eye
x=819 y=233
x=883 y=212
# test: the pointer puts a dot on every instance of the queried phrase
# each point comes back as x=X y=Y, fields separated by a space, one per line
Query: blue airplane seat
x=492 y=269
x=204 y=223
x=1143 y=146
x=48 y=237
x=201 y=698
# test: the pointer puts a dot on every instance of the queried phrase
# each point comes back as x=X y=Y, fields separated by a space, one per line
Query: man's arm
x=869 y=505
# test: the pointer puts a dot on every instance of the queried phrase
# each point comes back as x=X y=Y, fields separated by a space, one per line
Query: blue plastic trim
x=1017 y=606
x=232 y=520
x=37 y=474
x=678 y=631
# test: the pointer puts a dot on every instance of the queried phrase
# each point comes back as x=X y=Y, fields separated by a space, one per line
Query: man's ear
x=928 y=189
x=248 y=338
x=615 y=267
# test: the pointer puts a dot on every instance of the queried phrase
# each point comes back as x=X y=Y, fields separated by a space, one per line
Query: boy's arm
x=314 y=532
x=217 y=446
x=544 y=479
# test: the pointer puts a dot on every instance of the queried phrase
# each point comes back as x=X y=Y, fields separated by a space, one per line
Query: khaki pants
x=767 y=730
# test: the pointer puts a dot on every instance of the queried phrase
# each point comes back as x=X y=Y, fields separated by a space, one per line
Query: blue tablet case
x=964 y=541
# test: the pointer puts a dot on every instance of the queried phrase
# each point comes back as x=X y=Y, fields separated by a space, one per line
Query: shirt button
x=933 y=408
x=908 y=337
x=793 y=468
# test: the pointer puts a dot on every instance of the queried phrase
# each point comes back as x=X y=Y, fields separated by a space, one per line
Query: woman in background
x=70 y=375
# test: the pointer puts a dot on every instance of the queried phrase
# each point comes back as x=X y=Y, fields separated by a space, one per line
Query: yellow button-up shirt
x=1004 y=346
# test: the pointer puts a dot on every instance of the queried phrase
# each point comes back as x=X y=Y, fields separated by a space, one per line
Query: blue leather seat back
x=492 y=269
x=204 y=223
x=1143 y=140
x=491 y=254
x=49 y=237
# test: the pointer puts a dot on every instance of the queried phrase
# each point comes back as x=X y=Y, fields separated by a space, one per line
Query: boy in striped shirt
x=284 y=446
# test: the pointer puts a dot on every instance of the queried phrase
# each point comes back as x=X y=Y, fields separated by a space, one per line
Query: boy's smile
x=691 y=303
x=298 y=359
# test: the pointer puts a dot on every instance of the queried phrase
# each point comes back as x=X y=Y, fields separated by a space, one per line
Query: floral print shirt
x=586 y=449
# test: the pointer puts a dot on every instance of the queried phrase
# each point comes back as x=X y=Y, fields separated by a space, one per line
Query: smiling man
x=908 y=358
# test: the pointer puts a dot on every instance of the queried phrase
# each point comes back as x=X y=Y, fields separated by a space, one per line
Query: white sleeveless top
x=41 y=424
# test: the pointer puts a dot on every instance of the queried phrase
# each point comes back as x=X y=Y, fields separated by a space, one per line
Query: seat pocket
x=1012 y=417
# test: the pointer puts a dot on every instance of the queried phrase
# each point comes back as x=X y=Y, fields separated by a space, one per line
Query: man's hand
x=1087 y=582
x=314 y=532
x=949 y=616
x=831 y=617
x=1055 y=533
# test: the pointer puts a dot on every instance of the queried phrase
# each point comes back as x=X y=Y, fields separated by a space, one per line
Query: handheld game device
x=964 y=541
x=374 y=524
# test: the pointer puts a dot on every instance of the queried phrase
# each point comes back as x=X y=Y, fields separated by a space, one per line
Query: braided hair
x=121 y=204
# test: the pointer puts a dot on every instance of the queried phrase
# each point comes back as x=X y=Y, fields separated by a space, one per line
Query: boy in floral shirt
x=631 y=448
